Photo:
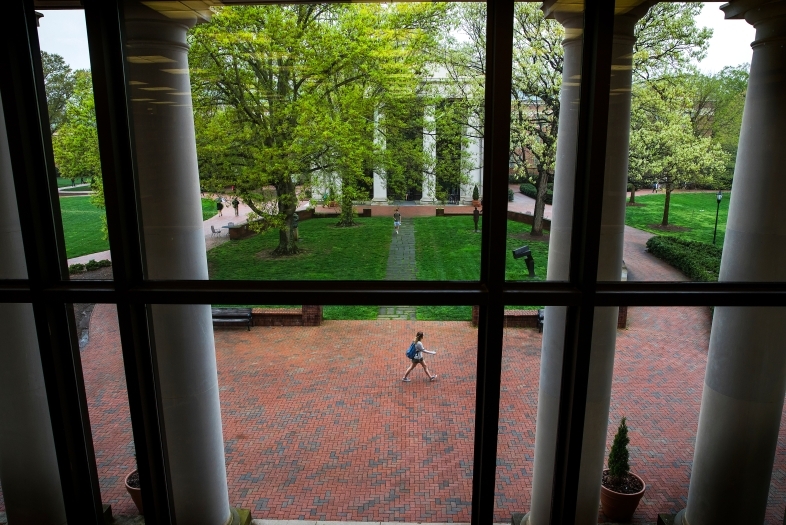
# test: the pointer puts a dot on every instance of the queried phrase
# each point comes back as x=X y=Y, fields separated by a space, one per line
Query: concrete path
x=401 y=267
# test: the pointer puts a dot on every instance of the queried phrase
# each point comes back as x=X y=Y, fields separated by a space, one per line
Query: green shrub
x=530 y=191
x=92 y=264
x=510 y=195
x=619 y=467
x=699 y=261
x=76 y=268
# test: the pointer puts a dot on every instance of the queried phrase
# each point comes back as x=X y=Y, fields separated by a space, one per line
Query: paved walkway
x=401 y=267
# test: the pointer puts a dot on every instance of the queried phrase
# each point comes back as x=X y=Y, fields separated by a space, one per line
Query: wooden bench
x=222 y=316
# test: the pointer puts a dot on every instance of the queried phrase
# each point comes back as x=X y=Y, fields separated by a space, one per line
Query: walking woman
x=418 y=359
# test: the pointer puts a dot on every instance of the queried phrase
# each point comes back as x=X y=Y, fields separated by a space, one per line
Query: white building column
x=29 y=473
x=609 y=269
x=430 y=153
x=474 y=157
x=175 y=249
x=380 y=184
x=745 y=381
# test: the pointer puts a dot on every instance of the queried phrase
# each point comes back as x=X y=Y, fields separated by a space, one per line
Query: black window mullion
x=585 y=246
x=27 y=122
x=105 y=40
x=496 y=137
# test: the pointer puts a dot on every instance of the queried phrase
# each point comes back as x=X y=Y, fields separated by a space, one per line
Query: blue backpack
x=411 y=351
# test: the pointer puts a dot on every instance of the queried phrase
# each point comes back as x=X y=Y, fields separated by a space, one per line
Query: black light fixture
x=719 y=198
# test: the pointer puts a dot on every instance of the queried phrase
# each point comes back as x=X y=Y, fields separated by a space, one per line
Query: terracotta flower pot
x=620 y=507
x=135 y=493
x=475 y=203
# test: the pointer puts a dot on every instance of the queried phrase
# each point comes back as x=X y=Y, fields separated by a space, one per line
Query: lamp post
x=719 y=198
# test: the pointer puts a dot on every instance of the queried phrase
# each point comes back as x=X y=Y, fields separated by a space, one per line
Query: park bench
x=222 y=316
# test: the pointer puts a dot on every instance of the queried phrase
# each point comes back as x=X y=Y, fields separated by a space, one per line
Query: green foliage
x=82 y=226
x=693 y=211
x=327 y=253
x=699 y=261
x=663 y=145
x=91 y=265
x=59 y=84
x=510 y=195
x=76 y=268
x=530 y=191
x=286 y=97
x=618 y=456
x=208 y=209
x=475 y=193
x=76 y=142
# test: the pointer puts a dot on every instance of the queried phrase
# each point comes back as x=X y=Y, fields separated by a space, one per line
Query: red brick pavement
x=318 y=425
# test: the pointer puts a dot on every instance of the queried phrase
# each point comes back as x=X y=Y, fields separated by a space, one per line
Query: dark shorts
x=416 y=361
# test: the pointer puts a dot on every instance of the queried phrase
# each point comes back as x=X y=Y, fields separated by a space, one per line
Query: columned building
x=745 y=384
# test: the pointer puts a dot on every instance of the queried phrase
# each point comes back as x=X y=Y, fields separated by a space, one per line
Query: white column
x=609 y=269
x=28 y=463
x=380 y=184
x=474 y=158
x=430 y=153
x=745 y=380
x=175 y=249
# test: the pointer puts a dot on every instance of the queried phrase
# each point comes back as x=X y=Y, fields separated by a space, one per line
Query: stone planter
x=476 y=204
x=619 y=507
x=135 y=493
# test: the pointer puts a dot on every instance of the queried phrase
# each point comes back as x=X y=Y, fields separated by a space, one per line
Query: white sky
x=63 y=32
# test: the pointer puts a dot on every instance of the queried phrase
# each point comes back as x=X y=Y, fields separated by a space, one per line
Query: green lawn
x=448 y=249
x=695 y=211
x=82 y=224
x=208 y=209
x=329 y=253
x=62 y=182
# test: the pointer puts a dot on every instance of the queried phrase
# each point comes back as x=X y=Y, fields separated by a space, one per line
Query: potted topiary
x=475 y=197
x=134 y=489
x=620 y=490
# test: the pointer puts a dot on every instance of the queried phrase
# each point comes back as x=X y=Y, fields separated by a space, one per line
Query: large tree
x=663 y=144
x=59 y=83
x=667 y=41
x=284 y=92
x=75 y=142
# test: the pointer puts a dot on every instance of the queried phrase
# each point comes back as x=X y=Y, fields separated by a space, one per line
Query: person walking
x=220 y=206
x=236 y=205
x=396 y=220
x=418 y=359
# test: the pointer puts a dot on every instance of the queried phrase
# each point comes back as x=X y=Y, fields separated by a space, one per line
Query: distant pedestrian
x=396 y=220
x=220 y=206
x=236 y=205
x=417 y=359
x=73 y=182
x=654 y=187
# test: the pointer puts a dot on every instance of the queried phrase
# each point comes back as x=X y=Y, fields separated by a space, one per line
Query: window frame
x=51 y=293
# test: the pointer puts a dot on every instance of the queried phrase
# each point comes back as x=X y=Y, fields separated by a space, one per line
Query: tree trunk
x=540 y=203
x=665 y=221
x=632 y=195
x=347 y=215
x=287 y=204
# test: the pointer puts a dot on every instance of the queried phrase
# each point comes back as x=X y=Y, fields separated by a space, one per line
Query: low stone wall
x=307 y=315
x=529 y=318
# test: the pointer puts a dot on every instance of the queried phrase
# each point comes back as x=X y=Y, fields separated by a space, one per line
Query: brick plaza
x=318 y=424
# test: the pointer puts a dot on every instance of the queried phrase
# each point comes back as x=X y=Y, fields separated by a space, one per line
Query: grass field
x=448 y=249
x=82 y=224
x=694 y=211
x=62 y=182
x=208 y=209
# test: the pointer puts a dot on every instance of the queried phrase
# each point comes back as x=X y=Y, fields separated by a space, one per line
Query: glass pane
x=28 y=463
x=322 y=142
x=107 y=402
x=547 y=47
x=687 y=144
x=520 y=402
x=69 y=92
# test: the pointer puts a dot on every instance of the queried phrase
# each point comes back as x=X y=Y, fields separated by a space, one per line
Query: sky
x=63 y=32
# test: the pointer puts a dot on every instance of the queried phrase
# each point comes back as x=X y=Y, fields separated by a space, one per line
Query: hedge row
x=530 y=191
x=699 y=261
x=91 y=265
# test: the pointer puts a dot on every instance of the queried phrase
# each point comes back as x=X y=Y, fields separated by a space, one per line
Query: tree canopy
x=287 y=93
x=59 y=82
